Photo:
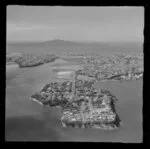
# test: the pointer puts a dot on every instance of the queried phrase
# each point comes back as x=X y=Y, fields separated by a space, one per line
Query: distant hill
x=59 y=42
x=57 y=46
x=56 y=42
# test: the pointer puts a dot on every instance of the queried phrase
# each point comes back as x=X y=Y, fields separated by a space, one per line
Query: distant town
x=116 y=67
x=99 y=67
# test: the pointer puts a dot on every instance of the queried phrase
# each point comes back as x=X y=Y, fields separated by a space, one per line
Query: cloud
x=14 y=27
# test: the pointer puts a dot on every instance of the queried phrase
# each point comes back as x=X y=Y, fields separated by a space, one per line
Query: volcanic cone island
x=83 y=106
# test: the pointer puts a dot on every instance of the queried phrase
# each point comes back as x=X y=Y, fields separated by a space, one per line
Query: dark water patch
x=128 y=107
x=108 y=48
x=92 y=135
x=28 y=129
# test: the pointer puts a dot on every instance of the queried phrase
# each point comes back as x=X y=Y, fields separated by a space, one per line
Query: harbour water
x=26 y=120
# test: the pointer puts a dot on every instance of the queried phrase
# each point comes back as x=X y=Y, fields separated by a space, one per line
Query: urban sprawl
x=84 y=106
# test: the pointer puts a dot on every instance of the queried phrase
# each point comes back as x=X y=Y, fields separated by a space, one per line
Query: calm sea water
x=106 y=48
x=29 y=121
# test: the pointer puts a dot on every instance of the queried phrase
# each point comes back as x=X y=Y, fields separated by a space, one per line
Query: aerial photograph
x=74 y=74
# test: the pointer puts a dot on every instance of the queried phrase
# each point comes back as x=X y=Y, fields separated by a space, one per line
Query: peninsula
x=83 y=106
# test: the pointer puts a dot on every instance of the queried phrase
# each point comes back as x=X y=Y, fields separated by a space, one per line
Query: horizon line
x=77 y=41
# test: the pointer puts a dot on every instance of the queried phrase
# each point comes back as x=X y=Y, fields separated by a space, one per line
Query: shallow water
x=27 y=120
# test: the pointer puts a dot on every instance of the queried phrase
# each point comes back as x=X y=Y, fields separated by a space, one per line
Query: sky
x=102 y=24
